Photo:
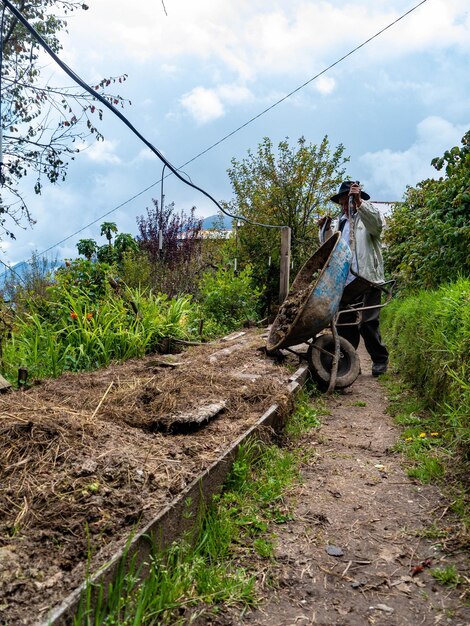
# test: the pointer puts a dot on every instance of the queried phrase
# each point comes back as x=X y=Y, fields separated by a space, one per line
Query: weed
x=432 y=532
x=264 y=547
x=359 y=403
x=447 y=575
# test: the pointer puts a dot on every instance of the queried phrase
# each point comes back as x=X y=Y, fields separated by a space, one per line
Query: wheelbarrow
x=312 y=305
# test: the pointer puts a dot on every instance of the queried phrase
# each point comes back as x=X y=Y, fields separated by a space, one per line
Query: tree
x=42 y=124
x=176 y=265
x=428 y=235
x=123 y=243
x=107 y=229
x=287 y=188
x=180 y=233
x=87 y=247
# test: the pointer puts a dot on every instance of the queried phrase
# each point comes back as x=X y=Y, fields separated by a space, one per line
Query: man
x=360 y=224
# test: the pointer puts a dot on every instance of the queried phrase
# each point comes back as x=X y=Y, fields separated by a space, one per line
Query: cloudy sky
x=198 y=70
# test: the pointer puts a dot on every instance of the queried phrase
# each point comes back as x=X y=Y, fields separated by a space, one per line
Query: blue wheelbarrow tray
x=314 y=297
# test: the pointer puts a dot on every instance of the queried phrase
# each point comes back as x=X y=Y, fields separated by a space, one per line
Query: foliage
x=108 y=229
x=287 y=187
x=429 y=338
x=179 y=232
x=176 y=266
x=123 y=243
x=84 y=277
x=75 y=331
x=447 y=576
x=228 y=298
x=87 y=247
x=43 y=124
x=428 y=235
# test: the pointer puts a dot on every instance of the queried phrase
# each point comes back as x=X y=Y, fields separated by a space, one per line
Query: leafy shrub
x=428 y=235
x=228 y=298
x=429 y=338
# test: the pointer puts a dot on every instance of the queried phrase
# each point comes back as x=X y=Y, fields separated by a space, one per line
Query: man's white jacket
x=367 y=225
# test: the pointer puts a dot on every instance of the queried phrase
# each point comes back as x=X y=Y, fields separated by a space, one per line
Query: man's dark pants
x=368 y=327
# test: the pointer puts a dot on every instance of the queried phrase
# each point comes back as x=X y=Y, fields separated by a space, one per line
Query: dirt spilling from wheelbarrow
x=292 y=306
x=83 y=462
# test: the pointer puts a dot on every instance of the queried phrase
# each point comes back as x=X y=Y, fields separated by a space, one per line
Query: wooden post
x=285 y=263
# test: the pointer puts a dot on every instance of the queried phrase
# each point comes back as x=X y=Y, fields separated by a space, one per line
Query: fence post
x=285 y=263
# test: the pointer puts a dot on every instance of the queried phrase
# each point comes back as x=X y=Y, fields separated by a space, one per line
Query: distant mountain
x=17 y=273
x=215 y=221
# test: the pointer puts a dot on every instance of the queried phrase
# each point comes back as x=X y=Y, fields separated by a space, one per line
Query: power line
x=236 y=130
x=122 y=117
x=253 y=119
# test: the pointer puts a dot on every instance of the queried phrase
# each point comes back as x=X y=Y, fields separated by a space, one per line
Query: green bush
x=428 y=234
x=429 y=338
x=228 y=299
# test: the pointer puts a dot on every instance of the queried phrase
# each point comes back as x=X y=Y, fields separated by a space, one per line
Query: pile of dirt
x=82 y=462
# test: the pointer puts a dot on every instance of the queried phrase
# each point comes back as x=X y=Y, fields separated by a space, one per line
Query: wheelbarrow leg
x=334 y=364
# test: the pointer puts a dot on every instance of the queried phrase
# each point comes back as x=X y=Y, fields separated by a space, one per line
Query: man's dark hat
x=345 y=186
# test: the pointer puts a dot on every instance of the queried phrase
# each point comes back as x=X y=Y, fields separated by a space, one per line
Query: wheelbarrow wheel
x=320 y=361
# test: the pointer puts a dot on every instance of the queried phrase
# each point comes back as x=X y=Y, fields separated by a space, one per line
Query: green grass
x=215 y=564
x=429 y=337
x=447 y=576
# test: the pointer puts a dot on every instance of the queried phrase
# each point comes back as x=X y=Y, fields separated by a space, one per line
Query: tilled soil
x=356 y=552
x=83 y=461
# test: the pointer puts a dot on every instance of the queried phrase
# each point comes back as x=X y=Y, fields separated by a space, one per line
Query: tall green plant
x=83 y=333
x=429 y=337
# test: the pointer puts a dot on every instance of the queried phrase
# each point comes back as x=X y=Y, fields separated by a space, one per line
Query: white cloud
x=249 y=37
x=392 y=171
x=204 y=105
x=325 y=85
x=101 y=152
x=234 y=94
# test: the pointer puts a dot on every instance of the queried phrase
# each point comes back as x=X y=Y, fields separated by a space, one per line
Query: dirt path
x=357 y=497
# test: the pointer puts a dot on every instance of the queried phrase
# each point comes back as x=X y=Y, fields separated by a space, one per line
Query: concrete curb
x=174 y=520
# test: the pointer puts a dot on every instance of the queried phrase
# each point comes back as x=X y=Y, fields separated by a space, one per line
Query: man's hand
x=355 y=192
x=326 y=219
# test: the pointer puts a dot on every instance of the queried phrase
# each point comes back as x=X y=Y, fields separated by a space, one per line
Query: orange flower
x=73 y=315
x=89 y=316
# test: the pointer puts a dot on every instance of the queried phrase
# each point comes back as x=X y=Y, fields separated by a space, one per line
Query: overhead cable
x=239 y=128
x=122 y=117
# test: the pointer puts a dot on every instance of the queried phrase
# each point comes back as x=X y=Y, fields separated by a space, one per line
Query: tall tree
x=87 y=247
x=108 y=229
x=42 y=124
x=287 y=187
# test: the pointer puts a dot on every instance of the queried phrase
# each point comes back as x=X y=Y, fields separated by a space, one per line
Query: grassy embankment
x=215 y=565
x=429 y=337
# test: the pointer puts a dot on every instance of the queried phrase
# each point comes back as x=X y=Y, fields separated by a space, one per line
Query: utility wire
x=122 y=117
x=250 y=121
x=310 y=80
x=239 y=128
